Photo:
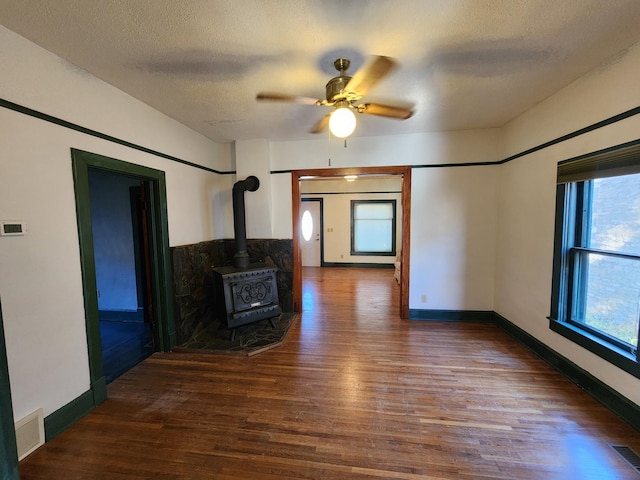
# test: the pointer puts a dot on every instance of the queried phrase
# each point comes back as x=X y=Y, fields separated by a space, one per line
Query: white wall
x=453 y=209
x=453 y=237
x=40 y=279
x=526 y=200
x=252 y=158
x=337 y=196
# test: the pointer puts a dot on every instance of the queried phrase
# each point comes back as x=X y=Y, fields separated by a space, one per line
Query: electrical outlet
x=423 y=298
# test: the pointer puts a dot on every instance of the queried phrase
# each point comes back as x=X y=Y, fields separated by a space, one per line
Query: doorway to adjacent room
x=402 y=172
x=145 y=283
x=120 y=227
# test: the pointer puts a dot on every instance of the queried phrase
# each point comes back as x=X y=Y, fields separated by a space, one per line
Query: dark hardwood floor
x=124 y=345
x=353 y=393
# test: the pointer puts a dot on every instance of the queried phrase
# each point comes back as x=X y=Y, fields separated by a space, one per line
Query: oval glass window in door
x=307 y=225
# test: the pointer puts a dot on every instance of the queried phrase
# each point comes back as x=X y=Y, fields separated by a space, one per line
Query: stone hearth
x=193 y=280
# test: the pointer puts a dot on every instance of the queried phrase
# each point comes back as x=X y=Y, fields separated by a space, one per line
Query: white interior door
x=310 y=234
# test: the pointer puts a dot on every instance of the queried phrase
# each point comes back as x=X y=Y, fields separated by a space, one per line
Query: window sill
x=603 y=349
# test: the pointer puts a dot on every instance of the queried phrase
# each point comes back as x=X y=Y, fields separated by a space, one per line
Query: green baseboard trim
x=64 y=417
x=614 y=401
x=99 y=391
x=361 y=265
x=451 y=315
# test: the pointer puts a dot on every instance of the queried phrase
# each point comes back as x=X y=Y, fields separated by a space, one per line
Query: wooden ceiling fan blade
x=385 y=110
x=370 y=74
x=321 y=125
x=282 y=97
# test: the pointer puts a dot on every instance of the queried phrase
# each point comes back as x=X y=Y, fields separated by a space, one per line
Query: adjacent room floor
x=124 y=345
x=354 y=392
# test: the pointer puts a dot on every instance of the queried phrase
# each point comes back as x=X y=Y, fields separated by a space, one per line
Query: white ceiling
x=463 y=63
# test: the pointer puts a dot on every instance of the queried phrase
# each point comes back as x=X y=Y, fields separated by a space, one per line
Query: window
x=373 y=227
x=596 y=279
x=307 y=225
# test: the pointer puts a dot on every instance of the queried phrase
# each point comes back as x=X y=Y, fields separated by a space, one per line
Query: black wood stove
x=245 y=293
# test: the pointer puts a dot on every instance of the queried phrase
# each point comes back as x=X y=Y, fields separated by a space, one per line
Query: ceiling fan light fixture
x=343 y=93
x=342 y=122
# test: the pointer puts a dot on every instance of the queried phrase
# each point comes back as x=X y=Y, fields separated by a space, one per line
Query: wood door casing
x=405 y=173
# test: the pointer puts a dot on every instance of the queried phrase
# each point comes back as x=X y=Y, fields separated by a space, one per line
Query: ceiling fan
x=343 y=92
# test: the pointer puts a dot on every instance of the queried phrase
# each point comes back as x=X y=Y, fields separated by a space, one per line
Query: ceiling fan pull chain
x=329 y=146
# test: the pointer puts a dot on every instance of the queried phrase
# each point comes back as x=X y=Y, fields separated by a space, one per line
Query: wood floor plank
x=353 y=393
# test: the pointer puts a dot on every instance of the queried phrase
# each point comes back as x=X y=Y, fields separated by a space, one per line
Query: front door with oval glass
x=311 y=232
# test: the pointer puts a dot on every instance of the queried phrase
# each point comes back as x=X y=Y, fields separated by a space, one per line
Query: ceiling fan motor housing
x=336 y=88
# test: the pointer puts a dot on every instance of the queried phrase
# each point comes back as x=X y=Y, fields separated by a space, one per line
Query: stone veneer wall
x=193 y=278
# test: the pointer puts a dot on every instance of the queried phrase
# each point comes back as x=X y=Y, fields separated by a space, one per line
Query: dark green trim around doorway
x=8 y=448
x=160 y=256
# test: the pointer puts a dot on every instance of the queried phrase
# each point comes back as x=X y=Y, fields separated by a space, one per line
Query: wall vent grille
x=29 y=433
x=629 y=455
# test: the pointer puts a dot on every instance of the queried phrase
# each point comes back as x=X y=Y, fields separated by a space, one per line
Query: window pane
x=612 y=300
x=372 y=235
x=307 y=225
x=615 y=214
x=371 y=211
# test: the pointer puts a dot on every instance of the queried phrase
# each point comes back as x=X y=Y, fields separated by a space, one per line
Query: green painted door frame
x=160 y=256
x=8 y=448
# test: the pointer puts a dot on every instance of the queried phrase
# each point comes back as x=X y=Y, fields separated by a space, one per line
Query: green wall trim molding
x=64 y=417
x=451 y=315
x=589 y=128
x=94 y=133
x=614 y=401
x=8 y=447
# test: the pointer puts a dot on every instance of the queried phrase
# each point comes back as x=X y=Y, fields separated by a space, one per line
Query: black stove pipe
x=251 y=183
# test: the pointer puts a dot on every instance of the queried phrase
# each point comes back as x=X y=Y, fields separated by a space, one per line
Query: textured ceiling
x=462 y=63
